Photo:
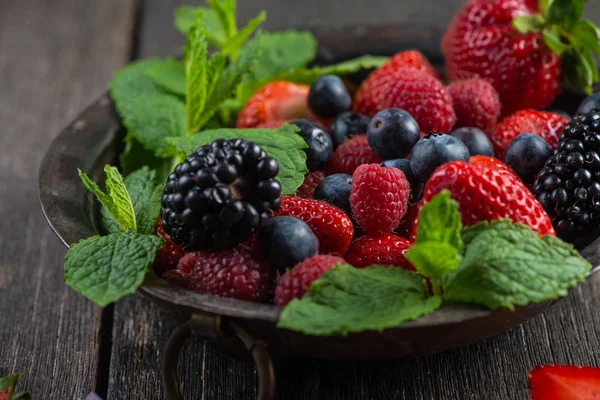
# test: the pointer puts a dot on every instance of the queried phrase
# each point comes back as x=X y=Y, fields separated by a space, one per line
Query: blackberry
x=220 y=195
x=568 y=186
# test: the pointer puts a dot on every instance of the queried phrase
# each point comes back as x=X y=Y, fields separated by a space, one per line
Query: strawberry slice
x=564 y=382
x=279 y=100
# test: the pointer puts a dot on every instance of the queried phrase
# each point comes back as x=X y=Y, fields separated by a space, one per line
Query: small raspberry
x=311 y=180
x=388 y=250
x=408 y=221
x=379 y=198
x=350 y=154
x=330 y=225
x=169 y=255
x=476 y=104
x=229 y=273
x=295 y=282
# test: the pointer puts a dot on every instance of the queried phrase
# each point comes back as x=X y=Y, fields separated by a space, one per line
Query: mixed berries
x=375 y=158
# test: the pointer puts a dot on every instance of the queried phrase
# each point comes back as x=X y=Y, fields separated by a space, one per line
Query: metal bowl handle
x=209 y=326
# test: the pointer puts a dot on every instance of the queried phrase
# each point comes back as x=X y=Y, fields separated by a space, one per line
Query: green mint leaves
x=497 y=265
x=8 y=385
x=116 y=200
x=283 y=144
x=507 y=265
x=567 y=34
x=348 y=299
x=106 y=268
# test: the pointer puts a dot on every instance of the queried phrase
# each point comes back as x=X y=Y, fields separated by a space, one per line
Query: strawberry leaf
x=552 y=39
x=528 y=23
x=564 y=13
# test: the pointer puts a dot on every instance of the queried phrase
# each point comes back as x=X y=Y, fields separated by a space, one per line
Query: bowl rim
x=57 y=183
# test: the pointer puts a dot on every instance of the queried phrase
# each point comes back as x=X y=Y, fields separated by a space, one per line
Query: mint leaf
x=116 y=200
x=148 y=112
x=564 y=13
x=347 y=299
x=8 y=384
x=434 y=260
x=283 y=144
x=196 y=75
x=528 y=23
x=235 y=43
x=106 y=268
x=169 y=75
x=440 y=221
x=135 y=156
x=225 y=11
x=347 y=67
x=185 y=16
x=507 y=265
x=145 y=197
x=552 y=39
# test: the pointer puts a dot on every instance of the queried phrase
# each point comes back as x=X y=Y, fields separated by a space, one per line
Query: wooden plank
x=493 y=369
x=55 y=57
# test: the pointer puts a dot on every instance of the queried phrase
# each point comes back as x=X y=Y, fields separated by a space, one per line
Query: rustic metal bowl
x=95 y=139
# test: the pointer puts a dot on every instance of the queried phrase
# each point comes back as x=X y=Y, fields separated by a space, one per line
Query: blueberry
x=329 y=97
x=561 y=112
x=526 y=155
x=392 y=133
x=286 y=241
x=433 y=150
x=589 y=103
x=319 y=144
x=476 y=141
x=335 y=190
x=416 y=186
x=347 y=125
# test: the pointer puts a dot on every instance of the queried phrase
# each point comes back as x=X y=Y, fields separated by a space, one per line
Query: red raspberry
x=311 y=180
x=387 y=250
x=350 y=154
x=169 y=255
x=476 y=104
x=485 y=194
x=229 y=273
x=370 y=93
x=405 y=228
x=295 y=282
x=422 y=96
x=379 y=198
x=545 y=124
x=330 y=225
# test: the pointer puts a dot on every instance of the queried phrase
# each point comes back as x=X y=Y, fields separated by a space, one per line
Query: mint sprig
x=8 y=385
x=283 y=144
x=567 y=34
x=348 y=299
x=106 y=268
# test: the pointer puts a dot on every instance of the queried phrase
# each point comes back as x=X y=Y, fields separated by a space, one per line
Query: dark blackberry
x=220 y=195
x=568 y=186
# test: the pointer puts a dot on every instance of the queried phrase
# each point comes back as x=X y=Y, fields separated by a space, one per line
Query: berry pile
x=374 y=159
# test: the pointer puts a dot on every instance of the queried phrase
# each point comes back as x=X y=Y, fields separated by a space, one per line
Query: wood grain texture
x=493 y=369
x=55 y=56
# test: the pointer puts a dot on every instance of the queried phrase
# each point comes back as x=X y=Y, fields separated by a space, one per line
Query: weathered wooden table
x=56 y=56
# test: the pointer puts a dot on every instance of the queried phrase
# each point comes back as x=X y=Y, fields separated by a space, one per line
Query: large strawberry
x=564 y=382
x=276 y=101
x=545 y=124
x=370 y=93
x=485 y=194
x=522 y=48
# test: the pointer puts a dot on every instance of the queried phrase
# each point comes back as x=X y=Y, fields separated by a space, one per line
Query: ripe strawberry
x=492 y=162
x=169 y=255
x=370 y=93
x=379 y=198
x=4 y=394
x=295 y=282
x=485 y=194
x=422 y=96
x=407 y=223
x=387 y=250
x=274 y=124
x=481 y=41
x=279 y=100
x=311 y=180
x=545 y=124
x=350 y=155
x=564 y=382
x=330 y=225
x=228 y=273
x=476 y=104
